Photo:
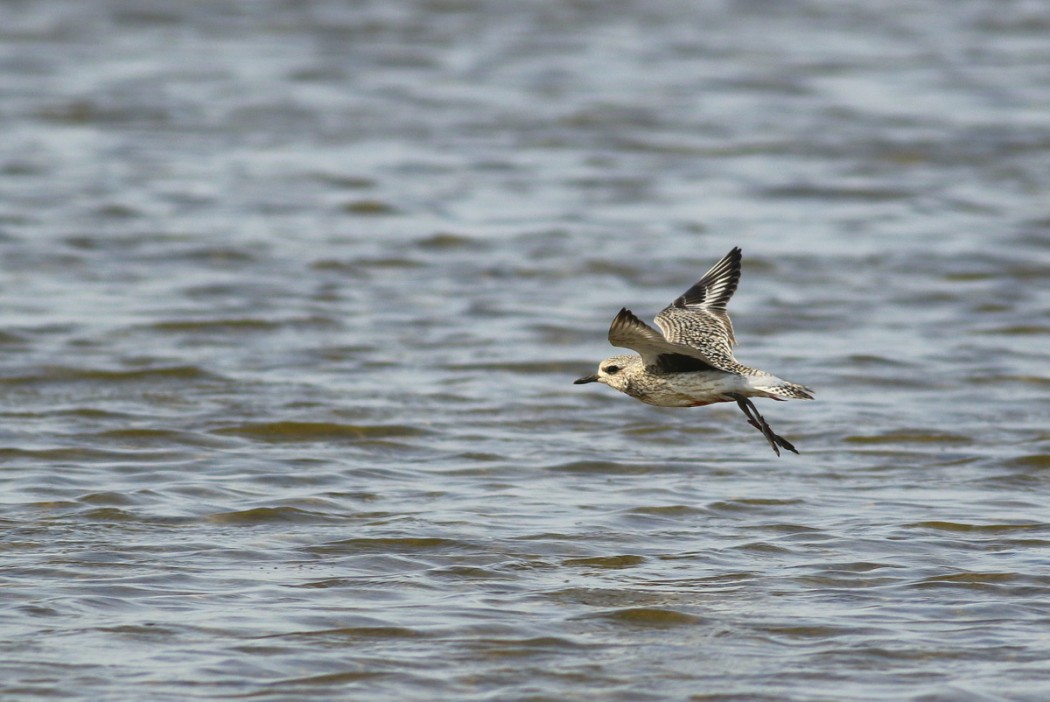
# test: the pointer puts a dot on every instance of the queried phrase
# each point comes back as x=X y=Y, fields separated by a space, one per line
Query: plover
x=691 y=364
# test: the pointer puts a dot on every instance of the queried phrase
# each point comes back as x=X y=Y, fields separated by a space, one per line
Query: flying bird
x=690 y=362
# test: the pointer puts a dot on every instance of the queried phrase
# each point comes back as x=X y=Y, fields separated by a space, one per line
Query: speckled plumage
x=691 y=363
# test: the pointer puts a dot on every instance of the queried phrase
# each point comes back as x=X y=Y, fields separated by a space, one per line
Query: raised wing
x=698 y=318
x=627 y=331
x=713 y=290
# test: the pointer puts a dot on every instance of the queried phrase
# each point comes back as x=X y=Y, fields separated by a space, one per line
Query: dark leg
x=755 y=419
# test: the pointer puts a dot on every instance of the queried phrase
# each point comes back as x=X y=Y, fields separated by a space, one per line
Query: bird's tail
x=780 y=389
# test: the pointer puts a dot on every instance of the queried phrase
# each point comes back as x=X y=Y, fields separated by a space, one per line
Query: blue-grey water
x=292 y=295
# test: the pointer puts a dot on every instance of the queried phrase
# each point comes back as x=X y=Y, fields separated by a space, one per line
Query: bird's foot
x=755 y=419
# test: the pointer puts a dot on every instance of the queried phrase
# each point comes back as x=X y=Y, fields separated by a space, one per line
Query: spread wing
x=627 y=331
x=698 y=318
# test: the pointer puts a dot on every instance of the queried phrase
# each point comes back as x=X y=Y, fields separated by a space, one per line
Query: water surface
x=294 y=293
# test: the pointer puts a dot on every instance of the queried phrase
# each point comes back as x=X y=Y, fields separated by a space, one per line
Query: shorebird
x=691 y=364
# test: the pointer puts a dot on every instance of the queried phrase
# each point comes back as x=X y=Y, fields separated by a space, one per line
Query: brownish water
x=293 y=295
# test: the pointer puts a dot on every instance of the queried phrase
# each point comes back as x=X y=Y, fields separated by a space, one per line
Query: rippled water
x=294 y=293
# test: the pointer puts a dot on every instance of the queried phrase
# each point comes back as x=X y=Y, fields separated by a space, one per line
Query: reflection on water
x=294 y=293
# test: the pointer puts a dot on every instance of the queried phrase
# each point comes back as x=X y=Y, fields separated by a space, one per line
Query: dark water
x=293 y=295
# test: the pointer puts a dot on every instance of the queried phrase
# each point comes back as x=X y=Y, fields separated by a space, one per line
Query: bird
x=690 y=361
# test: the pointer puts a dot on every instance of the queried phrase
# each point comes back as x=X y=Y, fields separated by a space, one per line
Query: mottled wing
x=627 y=331
x=698 y=318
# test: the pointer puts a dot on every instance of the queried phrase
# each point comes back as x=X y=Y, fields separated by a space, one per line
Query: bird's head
x=613 y=371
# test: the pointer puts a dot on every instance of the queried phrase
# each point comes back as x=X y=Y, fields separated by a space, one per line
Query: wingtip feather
x=717 y=285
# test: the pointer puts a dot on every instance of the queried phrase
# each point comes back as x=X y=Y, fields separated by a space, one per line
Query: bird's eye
x=612 y=370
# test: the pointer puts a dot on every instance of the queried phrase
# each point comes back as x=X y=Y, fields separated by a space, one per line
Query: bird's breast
x=682 y=389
